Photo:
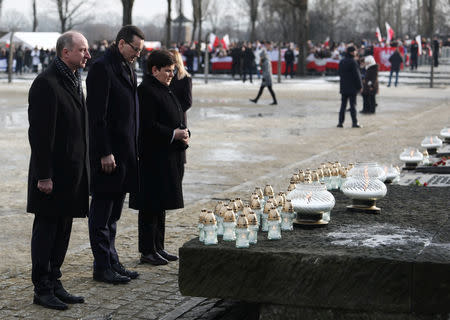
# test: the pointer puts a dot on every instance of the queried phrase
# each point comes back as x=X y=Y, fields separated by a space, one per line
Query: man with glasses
x=113 y=108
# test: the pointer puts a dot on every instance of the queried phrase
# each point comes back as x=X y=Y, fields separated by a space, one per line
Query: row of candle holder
x=307 y=203
x=236 y=222
x=412 y=157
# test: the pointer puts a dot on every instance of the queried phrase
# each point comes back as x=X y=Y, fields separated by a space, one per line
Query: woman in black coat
x=181 y=85
x=163 y=138
x=370 y=85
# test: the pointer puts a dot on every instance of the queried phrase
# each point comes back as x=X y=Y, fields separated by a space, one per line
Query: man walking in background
x=58 y=180
x=113 y=121
x=350 y=85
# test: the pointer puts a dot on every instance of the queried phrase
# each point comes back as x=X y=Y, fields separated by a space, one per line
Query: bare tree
x=180 y=19
x=195 y=12
x=253 y=13
x=213 y=15
x=127 y=11
x=301 y=7
x=203 y=7
x=70 y=13
x=35 y=20
x=168 y=23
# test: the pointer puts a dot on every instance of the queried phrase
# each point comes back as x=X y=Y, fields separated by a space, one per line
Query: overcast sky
x=146 y=9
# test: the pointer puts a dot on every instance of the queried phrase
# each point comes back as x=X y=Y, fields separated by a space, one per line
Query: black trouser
x=369 y=103
x=352 y=98
x=49 y=242
x=270 y=90
x=289 y=67
x=235 y=68
x=151 y=231
x=104 y=213
x=413 y=63
x=248 y=70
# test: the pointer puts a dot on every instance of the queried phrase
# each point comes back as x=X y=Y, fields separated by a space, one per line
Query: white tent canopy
x=46 y=40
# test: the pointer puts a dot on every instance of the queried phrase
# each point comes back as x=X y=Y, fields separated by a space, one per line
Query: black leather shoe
x=356 y=126
x=66 y=297
x=167 y=256
x=274 y=103
x=49 y=301
x=253 y=100
x=120 y=269
x=154 y=259
x=110 y=276
x=340 y=125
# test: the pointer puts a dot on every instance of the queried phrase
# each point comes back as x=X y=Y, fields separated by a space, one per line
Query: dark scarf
x=73 y=78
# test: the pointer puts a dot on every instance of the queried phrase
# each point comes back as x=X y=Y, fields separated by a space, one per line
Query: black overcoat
x=370 y=83
x=113 y=108
x=350 y=77
x=58 y=136
x=161 y=163
x=182 y=88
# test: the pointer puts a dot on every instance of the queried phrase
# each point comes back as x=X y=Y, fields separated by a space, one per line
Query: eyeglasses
x=137 y=50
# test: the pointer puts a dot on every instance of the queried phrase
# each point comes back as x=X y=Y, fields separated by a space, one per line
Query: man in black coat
x=414 y=54
x=350 y=85
x=396 y=61
x=248 y=61
x=289 y=61
x=113 y=121
x=58 y=179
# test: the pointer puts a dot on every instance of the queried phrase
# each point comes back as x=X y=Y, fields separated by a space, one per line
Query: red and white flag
x=225 y=42
x=327 y=42
x=389 y=32
x=213 y=40
x=378 y=34
x=419 y=43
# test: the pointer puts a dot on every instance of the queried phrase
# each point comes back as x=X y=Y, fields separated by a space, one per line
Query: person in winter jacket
x=370 y=85
x=350 y=86
x=266 y=68
x=396 y=60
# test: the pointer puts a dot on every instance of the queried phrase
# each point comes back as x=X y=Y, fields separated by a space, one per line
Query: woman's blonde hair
x=180 y=65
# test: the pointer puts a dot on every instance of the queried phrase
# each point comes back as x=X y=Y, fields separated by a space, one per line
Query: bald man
x=58 y=180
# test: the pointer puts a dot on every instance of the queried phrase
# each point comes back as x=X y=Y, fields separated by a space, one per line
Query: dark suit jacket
x=58 y=136
x=161 y=163
x=350 y=77
x=113 y=108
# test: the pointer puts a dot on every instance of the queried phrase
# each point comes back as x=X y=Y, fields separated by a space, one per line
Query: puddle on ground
x=209 y=113
x=233 y=155
x=17 y=119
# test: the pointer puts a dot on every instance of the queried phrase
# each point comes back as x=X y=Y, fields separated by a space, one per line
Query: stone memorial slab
x=432 y=180
x=385 y=264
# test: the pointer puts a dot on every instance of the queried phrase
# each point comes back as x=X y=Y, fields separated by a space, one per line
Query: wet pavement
x=236 y=146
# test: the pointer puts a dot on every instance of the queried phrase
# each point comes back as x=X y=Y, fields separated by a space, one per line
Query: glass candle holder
x=310 y=202
x=242 y=232
x=371 y=168
x=411 y=157
x=392 y=174
x=445 y=133
x=255 y=205
x=265 y=215
x=431 y=143
x=229 y=226
x=274 y=225
x=268 y=191
x=287 y=218
x=201 y=225
x=210 y=229
x=364 y=191
x=252 y=228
